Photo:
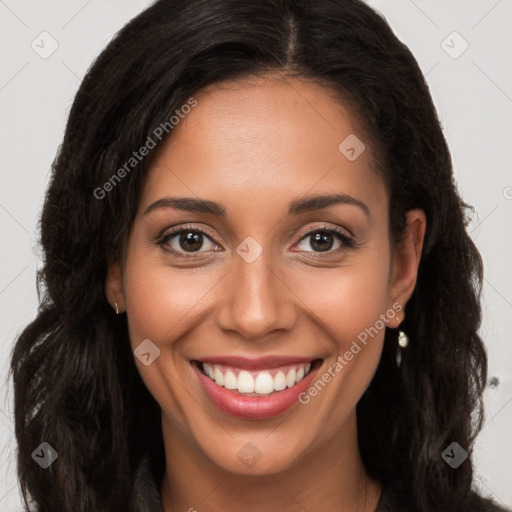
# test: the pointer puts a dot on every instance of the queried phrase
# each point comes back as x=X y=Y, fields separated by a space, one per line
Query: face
x=255 y=280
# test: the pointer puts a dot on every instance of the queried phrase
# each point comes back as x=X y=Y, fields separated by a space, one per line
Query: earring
x=403 y=341
x=117 y=308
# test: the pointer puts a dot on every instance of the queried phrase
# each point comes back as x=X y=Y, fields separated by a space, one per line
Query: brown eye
x=190 y=240
x=187 y=240
x=323 y=240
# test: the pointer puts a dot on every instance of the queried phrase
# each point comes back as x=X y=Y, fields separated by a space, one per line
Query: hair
x=76 y=385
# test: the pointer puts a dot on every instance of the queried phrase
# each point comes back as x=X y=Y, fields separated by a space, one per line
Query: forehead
x=263 y=142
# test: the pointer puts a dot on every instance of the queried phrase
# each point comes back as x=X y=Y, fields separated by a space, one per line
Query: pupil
x=323 y=241
x=193 y=239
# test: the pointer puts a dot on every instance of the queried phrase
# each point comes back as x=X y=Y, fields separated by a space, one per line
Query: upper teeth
x=256 y=382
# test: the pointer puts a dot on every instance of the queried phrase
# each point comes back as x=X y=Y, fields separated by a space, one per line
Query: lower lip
x=251 y=407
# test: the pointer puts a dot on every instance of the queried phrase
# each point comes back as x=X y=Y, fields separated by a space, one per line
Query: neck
x=330 y=476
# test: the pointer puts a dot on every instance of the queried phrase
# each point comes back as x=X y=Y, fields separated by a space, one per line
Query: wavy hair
x=76 y=385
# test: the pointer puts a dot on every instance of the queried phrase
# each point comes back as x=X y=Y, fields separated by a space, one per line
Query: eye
x=187 y=240
x=323 y=239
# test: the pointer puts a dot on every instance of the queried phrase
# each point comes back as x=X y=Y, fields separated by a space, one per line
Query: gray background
x=472 y=90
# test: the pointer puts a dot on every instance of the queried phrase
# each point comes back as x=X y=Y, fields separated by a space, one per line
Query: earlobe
x=407 y=256
x=114 y=288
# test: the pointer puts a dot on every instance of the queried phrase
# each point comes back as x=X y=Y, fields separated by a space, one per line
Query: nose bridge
x=257 y=301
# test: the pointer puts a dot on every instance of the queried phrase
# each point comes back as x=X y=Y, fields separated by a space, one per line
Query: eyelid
x=345 y=233
x=173 y=231
x=345 y=237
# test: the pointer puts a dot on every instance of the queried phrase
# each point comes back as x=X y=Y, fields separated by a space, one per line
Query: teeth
x=245 y=382
x=279 y=381
x=291 y=378
x=218 y=376
x=230 y=381
x=262 y=383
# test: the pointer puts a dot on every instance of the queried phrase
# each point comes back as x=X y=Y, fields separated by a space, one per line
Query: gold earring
x=117 y=308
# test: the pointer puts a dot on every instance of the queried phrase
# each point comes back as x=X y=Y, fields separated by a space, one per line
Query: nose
x=256 y=300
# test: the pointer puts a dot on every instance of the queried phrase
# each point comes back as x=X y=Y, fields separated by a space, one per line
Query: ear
x=114 y=287
x=406 y=259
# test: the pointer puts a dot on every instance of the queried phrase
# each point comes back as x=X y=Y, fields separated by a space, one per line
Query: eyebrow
x=302 y=205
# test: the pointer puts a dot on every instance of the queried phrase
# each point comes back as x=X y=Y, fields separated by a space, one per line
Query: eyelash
x=346 y=241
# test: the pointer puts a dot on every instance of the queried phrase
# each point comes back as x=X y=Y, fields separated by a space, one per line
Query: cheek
x=350 y=305
x=163 y=302
x=160 y=301
x=163 y=306
x=347 y=300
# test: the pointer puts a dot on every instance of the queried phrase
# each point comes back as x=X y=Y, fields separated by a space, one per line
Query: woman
x=258 y=289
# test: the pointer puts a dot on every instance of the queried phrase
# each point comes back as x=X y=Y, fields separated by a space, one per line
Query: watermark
x=454 y=455
x=342 y=361
x=507 y=192
x=249 y=454
x=454 y=45
x=45 y=45
x=45 y=455
x=37 y=251
x=351 y=147
x=249 y=249
x=157 y=135
x=146 y=352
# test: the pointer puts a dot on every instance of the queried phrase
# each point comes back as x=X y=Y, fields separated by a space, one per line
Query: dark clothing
x=146 y=496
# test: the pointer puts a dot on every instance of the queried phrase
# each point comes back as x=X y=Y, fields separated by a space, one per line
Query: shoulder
x=395 y=498
x=486 y=505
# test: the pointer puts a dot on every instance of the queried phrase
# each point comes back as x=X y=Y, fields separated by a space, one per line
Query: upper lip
x=260 y=363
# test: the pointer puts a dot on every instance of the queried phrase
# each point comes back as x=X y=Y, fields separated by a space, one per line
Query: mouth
x=255 y=389
x=256 y=383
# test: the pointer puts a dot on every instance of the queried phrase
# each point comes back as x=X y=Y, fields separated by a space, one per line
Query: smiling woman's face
x=247 y=281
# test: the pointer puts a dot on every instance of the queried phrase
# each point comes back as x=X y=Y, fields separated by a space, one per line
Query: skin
x=254 y=146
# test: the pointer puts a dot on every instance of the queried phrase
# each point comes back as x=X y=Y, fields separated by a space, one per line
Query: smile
x=255 y=389
x=256 y=383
